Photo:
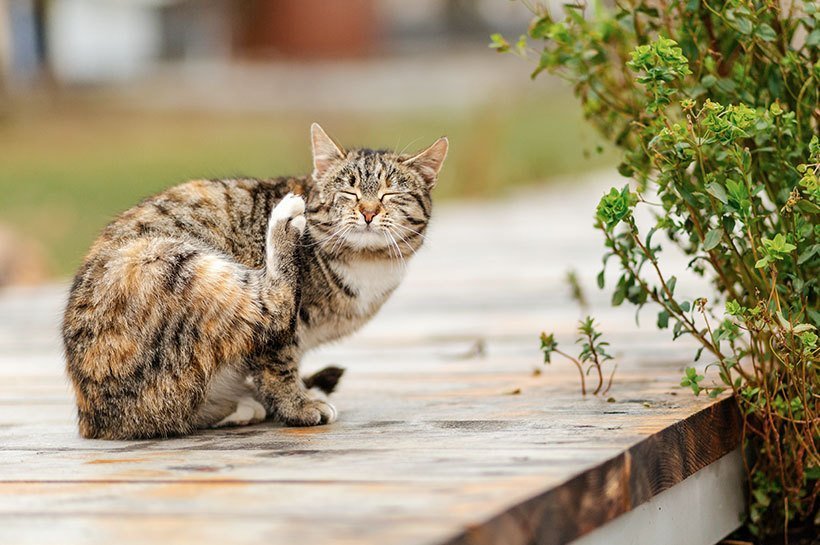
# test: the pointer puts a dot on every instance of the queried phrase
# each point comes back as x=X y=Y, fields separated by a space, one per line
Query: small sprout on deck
x=593 y=353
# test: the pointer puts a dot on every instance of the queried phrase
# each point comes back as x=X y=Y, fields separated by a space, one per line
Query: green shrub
x=715 y=108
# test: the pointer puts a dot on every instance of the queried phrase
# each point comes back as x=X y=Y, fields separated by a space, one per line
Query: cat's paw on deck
x=310 y=412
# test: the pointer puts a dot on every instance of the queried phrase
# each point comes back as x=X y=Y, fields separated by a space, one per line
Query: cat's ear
x=428 y=162
x=325 y=150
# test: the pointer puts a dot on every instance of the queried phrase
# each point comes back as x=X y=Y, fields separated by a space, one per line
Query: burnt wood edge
x=602 y=493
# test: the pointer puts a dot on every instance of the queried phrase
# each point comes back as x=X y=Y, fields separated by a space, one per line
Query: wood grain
x=433 y=445
x=601 y=493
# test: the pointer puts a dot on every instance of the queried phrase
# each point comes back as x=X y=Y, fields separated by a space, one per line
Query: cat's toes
x=242 y=416
x=290 y=209
x=299 y=223
x=312 y=412
x=259 y=412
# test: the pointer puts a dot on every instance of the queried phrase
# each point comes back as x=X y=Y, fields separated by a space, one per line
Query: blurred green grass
x=64 y=174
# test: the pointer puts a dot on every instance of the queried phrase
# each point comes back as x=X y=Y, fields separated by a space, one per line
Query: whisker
x=325 y=239
x=340 y=240
x=400 y=226
x=395 y=255
x=398 y=250
x=408 y=145
x=338 y=235
x=396 y=147
x=406 y=243
x=389 y=247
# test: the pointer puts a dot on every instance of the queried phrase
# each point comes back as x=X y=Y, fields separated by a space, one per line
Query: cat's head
x=375 y=199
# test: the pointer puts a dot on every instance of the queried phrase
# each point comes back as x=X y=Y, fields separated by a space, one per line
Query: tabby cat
x=193 y=308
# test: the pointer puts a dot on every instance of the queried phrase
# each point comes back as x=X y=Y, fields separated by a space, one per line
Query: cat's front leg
x=280 y=285
x=285 y=227
x=277 y=380
x=275 y=367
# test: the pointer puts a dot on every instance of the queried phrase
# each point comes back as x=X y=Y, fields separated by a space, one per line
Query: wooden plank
x=437 y=442
x=604 y=492
x=394 y=425
x=235 y=530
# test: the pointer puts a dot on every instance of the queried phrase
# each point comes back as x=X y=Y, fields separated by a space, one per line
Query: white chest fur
x=373 y=280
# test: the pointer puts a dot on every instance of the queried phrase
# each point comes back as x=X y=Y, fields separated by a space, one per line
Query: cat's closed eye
x=387 y=196
x=348 y=195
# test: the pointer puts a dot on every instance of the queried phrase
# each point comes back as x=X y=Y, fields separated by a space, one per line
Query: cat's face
x=375 y=199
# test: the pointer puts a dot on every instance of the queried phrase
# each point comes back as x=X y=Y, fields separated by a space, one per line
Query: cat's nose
x=369 y=212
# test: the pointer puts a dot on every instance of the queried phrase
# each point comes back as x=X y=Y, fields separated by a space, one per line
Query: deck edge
x=616 y=486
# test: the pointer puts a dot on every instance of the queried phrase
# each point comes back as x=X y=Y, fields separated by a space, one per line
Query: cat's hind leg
x=248 y=411
x=230 y=400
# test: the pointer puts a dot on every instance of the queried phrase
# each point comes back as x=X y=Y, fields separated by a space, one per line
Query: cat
x=193 y=308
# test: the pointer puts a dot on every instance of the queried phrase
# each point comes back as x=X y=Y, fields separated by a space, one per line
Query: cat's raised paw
x=290 y=209
x=313 y=412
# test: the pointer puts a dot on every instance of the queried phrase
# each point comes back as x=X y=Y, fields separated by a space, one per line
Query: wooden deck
x=446 y=435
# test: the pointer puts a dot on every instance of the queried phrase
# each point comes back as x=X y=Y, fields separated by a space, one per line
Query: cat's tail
x=325 y=379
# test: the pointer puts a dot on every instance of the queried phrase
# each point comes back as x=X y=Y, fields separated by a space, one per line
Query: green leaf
x=808 y=253
x=548 y=346
x=761 y=497
x=521 y=45
x=619 y=294
x=541 y=27
x=743 y=25
x=717 y=191
x=616 y=206
x=807 y=206
x=714 y=392
x=498 y=43
x=625 y=170
x=733 y=308
x=765 y=33
x=712 y=239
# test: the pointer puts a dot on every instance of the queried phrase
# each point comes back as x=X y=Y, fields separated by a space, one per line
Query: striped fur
x=197 y=304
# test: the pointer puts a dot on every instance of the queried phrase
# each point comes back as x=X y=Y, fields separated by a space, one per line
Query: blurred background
x=104 y=102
